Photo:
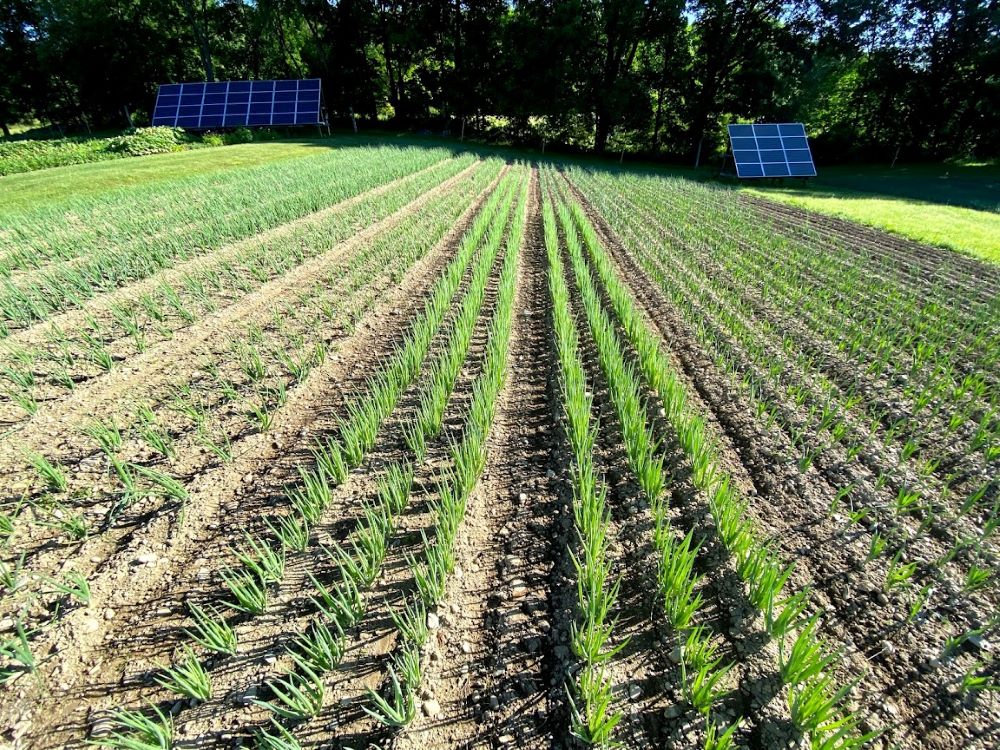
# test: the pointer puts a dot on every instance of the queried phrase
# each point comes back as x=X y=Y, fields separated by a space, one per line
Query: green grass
x=29 y=189
x=951 y=206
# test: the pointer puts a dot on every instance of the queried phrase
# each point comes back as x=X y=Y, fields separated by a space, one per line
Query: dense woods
x=876 y=79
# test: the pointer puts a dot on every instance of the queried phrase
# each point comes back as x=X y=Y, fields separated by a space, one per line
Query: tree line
x=875 y=79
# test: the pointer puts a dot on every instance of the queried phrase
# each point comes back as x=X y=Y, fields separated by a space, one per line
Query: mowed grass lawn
x=21 y=191
x=951 y=206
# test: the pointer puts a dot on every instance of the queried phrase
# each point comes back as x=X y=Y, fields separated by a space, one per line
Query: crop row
x=147 y=237
x=212 y=410
x=72 y=352
x=340 y=604
x=814 y=698
x=894 y=535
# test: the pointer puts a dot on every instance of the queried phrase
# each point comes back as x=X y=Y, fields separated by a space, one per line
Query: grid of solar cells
x=771 y=150
x=233 y=103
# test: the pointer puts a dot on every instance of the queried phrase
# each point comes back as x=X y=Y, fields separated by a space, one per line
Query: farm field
x=401 y=446
x=953 y=206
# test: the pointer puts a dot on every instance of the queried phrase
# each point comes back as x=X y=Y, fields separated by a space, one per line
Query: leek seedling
x=12 y=576
x=416 y=440
x=313 y=496
x=262 y=417
x=407 y=664
x=163 y=483
x=331 y=462
x=212 y=631
x=342 y=605
x=24 y=400
x=221 y=446
x=430 y=576
x=75 y=527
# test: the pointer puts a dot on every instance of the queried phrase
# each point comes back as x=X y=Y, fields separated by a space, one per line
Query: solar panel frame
x=771 y=150
x=202 y=105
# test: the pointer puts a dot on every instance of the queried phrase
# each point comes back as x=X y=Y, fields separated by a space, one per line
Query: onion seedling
x=133 y=730
x=52 y=474
x=17 y=650
x=297 y=696
x=212 y=631
x=73 y=585
x=188 y=678
x=321 y=648
x=283 y=740
x=261 y=559
x=291 y=530
x=398 y=710
x=250 y=593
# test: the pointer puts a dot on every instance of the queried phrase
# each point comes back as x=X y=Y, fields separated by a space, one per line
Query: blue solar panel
x=233 y=103
x=771 y=150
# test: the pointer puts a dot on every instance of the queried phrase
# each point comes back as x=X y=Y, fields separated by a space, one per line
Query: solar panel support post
x=725 y=161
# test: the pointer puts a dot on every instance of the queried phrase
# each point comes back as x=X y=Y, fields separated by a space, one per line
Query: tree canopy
x=871 y=78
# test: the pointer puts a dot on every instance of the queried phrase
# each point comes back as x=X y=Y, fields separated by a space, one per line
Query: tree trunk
x=6 y=129
x=201 y=35
x=657 y=119
x=601 y=132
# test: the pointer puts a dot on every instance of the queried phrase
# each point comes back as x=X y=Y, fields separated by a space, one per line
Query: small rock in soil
x=433 y=621
x=102 y=726
x=466 y=647
x=431 y=707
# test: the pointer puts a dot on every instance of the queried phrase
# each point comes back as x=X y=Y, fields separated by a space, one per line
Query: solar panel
x=771 y=150
x=227 y=104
